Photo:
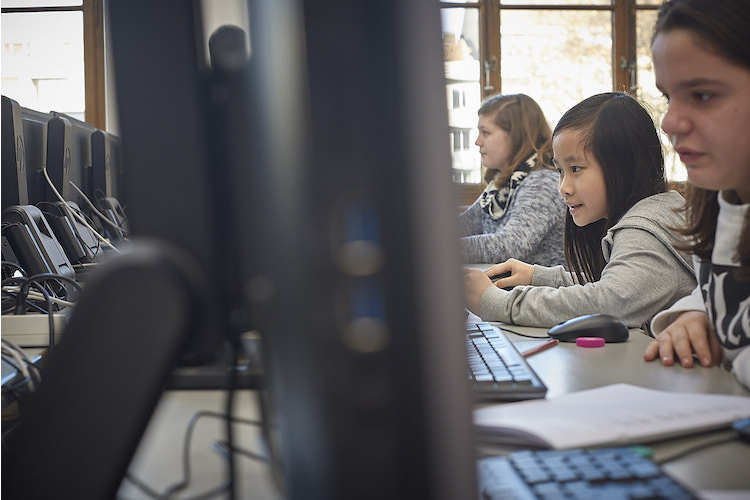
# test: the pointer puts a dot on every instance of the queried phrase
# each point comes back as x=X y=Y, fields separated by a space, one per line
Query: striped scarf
x=495 y=201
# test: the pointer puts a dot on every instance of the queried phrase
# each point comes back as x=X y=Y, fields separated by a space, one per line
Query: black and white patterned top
x=721 y=293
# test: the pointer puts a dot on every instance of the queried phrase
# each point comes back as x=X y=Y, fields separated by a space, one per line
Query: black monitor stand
x=101 y=383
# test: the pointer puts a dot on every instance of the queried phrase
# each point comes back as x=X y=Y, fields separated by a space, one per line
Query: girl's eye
x=575 y=169
x=702 y=96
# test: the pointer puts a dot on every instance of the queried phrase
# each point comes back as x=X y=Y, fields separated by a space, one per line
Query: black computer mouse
x=605 y=326
x=501 y=276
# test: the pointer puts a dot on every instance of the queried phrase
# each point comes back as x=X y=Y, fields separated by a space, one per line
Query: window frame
x=93 y=54
x=624 y=67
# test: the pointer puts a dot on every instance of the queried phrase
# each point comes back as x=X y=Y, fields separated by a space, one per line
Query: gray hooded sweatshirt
x=644 y=274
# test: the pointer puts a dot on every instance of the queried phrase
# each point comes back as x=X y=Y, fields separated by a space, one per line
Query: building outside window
x=556 y=51
x=52 y=56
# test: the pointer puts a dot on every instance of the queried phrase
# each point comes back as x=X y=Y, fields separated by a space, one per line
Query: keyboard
x=496 y=369
x=606 y=473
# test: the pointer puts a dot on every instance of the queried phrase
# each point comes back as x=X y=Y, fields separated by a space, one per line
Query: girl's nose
x=675 y=122
x=564 y=186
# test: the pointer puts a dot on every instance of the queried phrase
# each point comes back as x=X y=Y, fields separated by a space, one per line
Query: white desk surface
x=563 y=368
x=568 y=368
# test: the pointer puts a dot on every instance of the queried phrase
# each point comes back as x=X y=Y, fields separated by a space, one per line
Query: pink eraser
x=589 y=342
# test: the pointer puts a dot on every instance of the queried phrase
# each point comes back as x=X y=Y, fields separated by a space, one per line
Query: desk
x=564 y=368
x=158 y=459
x=568 y=368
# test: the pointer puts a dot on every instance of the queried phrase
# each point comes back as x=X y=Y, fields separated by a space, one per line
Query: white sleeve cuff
x=693 y=302
x=741 y=366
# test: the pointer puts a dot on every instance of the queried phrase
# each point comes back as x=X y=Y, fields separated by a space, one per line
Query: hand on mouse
x=520 y=273
x=475 y=282
x=691 y=331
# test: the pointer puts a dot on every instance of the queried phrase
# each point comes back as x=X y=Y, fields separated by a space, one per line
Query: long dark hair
x=724 y=25
x=622 y=137
x=522 y=118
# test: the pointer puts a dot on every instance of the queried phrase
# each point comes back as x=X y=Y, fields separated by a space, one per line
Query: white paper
x=619 y=414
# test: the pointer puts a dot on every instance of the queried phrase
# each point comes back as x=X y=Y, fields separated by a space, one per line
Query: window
x=647 y=92
x=461 y=51
x=52 y=56
x=557 y=51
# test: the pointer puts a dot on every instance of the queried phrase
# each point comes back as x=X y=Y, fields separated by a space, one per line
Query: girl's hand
x=691 y=331
x=520 y=273
x=476 y=282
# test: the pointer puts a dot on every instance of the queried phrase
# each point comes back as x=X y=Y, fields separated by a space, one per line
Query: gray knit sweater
x=644 y=274
x=531 y=229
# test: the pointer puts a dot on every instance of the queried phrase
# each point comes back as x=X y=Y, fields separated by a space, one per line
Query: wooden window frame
x=93 y=54
x=624 y=68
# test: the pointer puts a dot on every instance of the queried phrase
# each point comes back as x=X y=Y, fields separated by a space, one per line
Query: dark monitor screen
x=106 y=165
x=68 y=157
x=23 y=136
x=311 y=188
x=304 y=192
x=367 y=369
x=177 y=178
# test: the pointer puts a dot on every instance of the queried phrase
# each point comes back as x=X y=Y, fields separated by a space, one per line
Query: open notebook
x=619 y=414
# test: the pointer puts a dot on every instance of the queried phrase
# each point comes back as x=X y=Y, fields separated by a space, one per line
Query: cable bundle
x=46 y=293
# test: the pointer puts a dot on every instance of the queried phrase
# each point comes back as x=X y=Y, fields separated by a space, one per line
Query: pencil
x=540 y=348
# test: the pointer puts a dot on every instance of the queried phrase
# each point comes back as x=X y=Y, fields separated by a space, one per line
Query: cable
x=12 y=308
x=523 y=334
x=277 y=474
x=34 y=281
x=223 y=447
x=50 y=312
x=73 y=213
x=98 y=242
x=21 y=365
x=97 y=212
x=38 y=296
x=14 y=266
x=142 y=486
x=11 y=345
x=185 y=481
x=53 y=212
x=55 y=277
x=235 y=348
x=85 y=265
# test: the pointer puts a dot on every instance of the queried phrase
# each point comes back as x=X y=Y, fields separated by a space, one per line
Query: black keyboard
x=606 y=474
x=496 y=368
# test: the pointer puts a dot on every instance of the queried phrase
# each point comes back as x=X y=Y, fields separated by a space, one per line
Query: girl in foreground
x=618 y=237
x=702 y=65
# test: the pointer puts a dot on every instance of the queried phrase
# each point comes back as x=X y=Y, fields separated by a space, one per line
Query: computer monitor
x=367 y=370
x=106 y=165
x=23 y=140
x=28 y=239
x=180 y=291
x=104 y=183
x=69 y=157
x=310 y=189
x=68 y=168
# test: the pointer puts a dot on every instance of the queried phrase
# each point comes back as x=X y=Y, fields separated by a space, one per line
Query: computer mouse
x=501 y=276
x=605 y=326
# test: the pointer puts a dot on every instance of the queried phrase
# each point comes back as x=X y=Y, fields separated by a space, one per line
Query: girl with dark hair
x=702 y=64
x=519 y=214
x=618 y=231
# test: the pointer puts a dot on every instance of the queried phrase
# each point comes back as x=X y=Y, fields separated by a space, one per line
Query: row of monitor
x=72 y=150
x=48 y=158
